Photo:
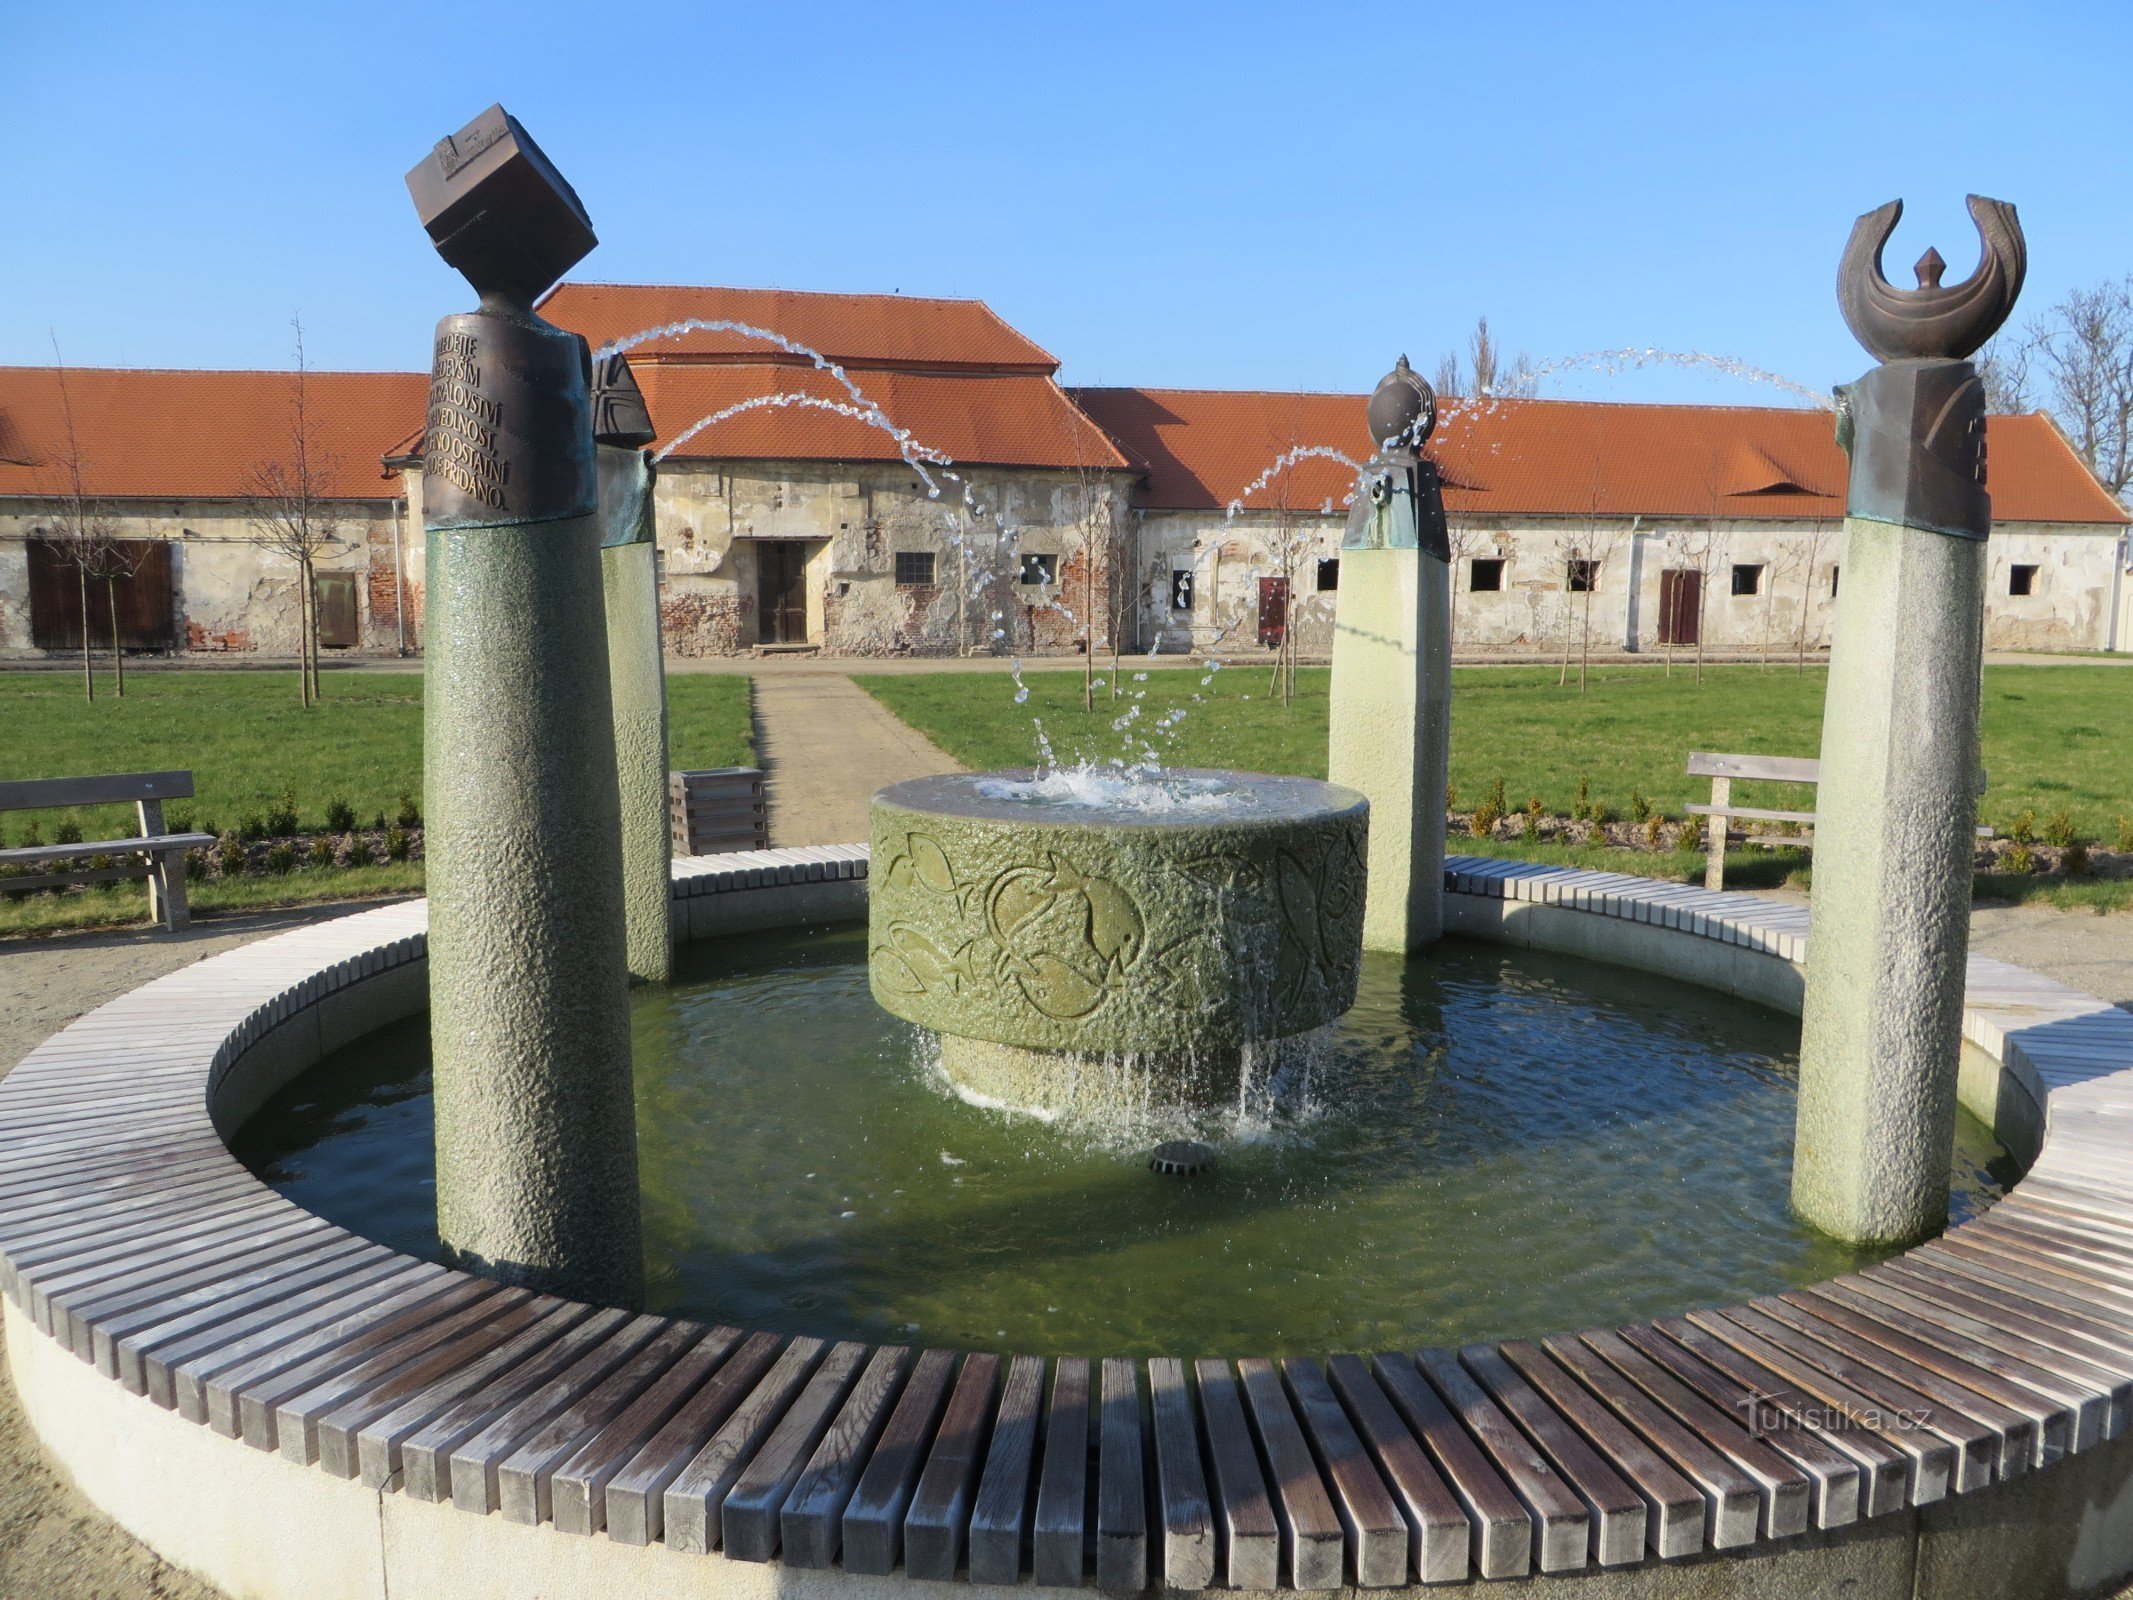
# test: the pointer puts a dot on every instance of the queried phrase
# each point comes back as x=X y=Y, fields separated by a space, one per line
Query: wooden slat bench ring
x=161 y=854
x=1722 y=770
x=222 y=1317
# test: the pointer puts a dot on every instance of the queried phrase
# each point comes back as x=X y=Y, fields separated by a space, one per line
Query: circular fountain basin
x=1080 y=938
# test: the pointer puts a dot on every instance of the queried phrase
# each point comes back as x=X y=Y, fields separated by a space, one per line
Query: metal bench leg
x=1716 y=827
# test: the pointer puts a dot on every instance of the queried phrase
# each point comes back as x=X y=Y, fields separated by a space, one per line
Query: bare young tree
x=293 y=513
x=1488 y=375
x=85 y=535
x=1810 y=562
x=2080 y=353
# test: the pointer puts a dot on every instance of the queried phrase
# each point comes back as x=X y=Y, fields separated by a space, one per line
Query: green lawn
x=246 y=740
x=2055 y=737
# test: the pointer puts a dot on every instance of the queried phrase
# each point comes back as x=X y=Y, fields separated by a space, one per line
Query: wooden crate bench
x=155 y=854
x=131 y=1240
x=715 y=810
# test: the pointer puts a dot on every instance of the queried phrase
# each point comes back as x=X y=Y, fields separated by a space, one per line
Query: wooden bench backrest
x=35 y=794
x=1772 y=769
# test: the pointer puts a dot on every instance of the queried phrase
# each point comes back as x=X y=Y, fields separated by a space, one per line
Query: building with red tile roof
x=872 y=474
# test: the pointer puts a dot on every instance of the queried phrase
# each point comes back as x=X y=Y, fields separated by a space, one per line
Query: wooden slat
x=1562 y=1521
x=425 y=1456
x=1121 y=1488
x=1854 y=1474
x=999 y=1517
x=695 y=1498
x=1618 y=1511
x=1676 y=1510
x=1188 y=1549
x=934 y=1526
x=1769 y=769
x=1313 y=1544
x=636 y=1496
x=1376 y=1532
x=30 y=855
x=578 y=1488
x=1251 y=1536
x=117 y=788
x=1058 y=1555
x=1506 y=1532
x=1439 y=1532
x=749 y=1518
x=811 y=1522
x=873 y=1524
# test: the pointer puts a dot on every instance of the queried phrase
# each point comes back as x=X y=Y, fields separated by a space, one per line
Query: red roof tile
x=852 y=329
x=1201 y=448
x=162 y=435
x=1020 y=420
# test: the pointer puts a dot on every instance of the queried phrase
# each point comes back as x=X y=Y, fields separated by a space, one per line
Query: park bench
x=156 y=855
x=713 y=810
x=1722 y=770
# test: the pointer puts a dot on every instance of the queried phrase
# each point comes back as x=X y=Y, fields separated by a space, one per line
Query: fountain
x=1100 y=940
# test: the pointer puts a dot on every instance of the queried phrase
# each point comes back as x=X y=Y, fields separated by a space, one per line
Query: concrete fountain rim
x=117 y=1123
x=1279 y=802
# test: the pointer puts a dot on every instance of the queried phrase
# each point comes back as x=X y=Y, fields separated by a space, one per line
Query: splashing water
x=1141 y=790
x=1612 y=363
x=1281 y=464
x=872 y=417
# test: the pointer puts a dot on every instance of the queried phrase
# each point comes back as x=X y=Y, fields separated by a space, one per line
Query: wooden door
x=1273 y=611
x=1680 y=605
x=781 y=592
x=333 y=599
x=140 y=581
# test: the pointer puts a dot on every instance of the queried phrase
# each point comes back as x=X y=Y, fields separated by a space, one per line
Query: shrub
x=2024 y=827
x=1581 y=808
x=2074 y=860
x=396 y=844
x=1532 y=827
x=33 y=834
x=1654 y=829
x=1482 y=824
x=281 y=816
x=195 y=865
x=251 y=826
x=230 y=856
x=358 y=850
x=1691 y=835
x=1496 y=798
x=322 y=850
x=340 y=816
x=68 y=832
x=1639 y=807
x=2059 y=830
x=2021 y=860
x=180 y=821
x=1451 y=797
x=2125 y=834
x=378 y=821
x=281 y=858
x=410 y=815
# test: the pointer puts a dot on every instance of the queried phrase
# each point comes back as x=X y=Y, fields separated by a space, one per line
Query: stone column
x=529 y=1009
x=1390 y=719
x=1896 y=809
x=636 y=663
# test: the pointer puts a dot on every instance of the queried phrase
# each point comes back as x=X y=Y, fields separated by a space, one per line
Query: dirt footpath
x=53 y=1544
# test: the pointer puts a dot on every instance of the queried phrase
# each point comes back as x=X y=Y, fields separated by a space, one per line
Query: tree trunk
x=303 y=630
x=88 y=664
x=118 y=653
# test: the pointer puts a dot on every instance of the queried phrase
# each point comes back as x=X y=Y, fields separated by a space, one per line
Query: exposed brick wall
x=700 y=624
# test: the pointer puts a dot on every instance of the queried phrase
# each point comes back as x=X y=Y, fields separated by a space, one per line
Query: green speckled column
x=529 y=1018
x=1389 y=732
x=637 y=672
x=1895 y=819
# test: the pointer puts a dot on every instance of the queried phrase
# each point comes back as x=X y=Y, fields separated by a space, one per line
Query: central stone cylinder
x=1152 y=940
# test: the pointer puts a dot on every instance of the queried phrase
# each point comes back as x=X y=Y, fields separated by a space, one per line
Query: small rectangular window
x=914 y=569
x=1329 y=575
x=1747 y=577
x=1833 y=583
x=1039 y=568
x=1583 y=576
x=1484 y=574
x=1181 y=589
x=2021 y=579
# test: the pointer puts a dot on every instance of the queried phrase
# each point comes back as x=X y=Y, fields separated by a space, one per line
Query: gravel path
x=54 y=1544
x=827 y=745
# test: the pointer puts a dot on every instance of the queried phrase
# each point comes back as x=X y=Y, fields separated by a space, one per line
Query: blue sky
x=1220 y=196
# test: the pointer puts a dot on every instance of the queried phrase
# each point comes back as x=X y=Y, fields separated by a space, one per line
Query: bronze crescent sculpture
x=1931 y=321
